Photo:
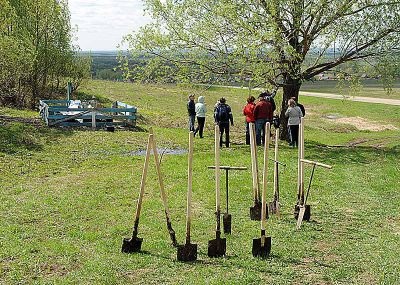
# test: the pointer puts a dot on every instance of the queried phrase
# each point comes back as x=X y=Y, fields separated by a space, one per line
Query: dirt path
x=335 y=96
x=352 y=98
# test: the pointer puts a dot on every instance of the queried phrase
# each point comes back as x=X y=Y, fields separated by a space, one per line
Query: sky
x=102 y=23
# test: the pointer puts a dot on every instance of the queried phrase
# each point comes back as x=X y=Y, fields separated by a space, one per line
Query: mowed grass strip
x=68 y=201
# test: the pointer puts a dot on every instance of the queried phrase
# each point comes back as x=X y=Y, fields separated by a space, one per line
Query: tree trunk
x=291 y=89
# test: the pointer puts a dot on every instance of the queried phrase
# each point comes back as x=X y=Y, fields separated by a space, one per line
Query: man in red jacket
x=263 y=113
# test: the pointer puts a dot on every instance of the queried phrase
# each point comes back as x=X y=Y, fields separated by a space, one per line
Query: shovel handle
x=265 y=177
x=217 y=169
x=276 y=166
x=190 y=182
x=158 y=168
x=316 y=163
x=162 y=189
x=142 y=184
x=254 y=170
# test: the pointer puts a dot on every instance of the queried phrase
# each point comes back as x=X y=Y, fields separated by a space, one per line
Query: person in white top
x=293 y=113
x=201 y=111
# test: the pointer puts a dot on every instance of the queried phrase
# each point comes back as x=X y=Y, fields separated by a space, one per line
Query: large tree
x=276 y=43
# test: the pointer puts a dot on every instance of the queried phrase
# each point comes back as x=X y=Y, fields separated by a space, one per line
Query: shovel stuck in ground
x=134 y=244
x=188 y=251
x=217 y=246
x=274 y=206
x=262 y=246
x=255 y=210
x=300 y=173
x=162 y=190
x=304 y=209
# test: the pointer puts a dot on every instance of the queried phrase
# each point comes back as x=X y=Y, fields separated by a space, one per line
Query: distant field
x=68 y=197
x=369 y=88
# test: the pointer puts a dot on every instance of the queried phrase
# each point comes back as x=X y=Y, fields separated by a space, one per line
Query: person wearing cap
x=191 y=112
x=263 y=113
x=223 y=115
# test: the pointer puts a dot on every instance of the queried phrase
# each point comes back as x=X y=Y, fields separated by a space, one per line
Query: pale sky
x=103 y=23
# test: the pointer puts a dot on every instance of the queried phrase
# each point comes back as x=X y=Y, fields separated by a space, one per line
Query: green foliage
x=36 y=54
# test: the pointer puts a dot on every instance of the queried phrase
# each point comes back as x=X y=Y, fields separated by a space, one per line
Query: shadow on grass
x=20 y=134
x=346 y=154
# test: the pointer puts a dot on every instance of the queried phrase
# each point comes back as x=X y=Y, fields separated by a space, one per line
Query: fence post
x=93 y=120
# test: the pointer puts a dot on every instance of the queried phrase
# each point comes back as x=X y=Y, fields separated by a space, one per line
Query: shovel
x=217 y=246
x=300 y=170
x=163 y=194
x=274 y=205
x=262 y=246
x=188 y=251
x=134 y=243
x=304 y=209
x=227 y=218
x=255 y=210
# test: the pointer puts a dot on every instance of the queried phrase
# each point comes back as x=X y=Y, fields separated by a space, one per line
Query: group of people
x=222 y=117
x=259 y=113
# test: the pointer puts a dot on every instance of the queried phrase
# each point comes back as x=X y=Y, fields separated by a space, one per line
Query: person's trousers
x=200 y=126
x=191 y=122
x=294 y=135
x=260 y=131
x=248 y=133
x=224 y=127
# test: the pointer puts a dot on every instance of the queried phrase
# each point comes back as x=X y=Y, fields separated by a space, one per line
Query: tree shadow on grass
x=345 y=154
x=19 y=134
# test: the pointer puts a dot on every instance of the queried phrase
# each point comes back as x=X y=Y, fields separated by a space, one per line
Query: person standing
x=223 y=115
x=263 y=113
x=191 y=112
x=294 y=114
x=248 y=111
x=201 y=111
x=300 y=106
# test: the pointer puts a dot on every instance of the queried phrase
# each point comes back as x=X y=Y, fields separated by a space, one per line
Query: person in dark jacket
x=191 y=112
x=263 y=113
x=223 y=114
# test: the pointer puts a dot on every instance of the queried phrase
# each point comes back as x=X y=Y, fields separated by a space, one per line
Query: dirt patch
x=363 y=124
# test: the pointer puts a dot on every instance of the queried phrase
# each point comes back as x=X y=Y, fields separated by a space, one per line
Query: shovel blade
x=217 y=247
x=227 y=221
x=261 y=251
x=187 y=252
x=255 y=212
x=130 y=245
x=307 y=213
x=273 y=207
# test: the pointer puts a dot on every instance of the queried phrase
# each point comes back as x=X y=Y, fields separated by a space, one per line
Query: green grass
x=368 y=88
x=69 y=197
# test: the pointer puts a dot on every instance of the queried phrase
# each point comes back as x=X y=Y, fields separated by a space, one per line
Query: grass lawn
x=69 y=197
x=368 y=88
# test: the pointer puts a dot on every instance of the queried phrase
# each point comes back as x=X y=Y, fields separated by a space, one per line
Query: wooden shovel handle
x=265 y=177
x=254 y=169
x=276 y=167
x=316 y=163
x=190 y=182
x=217 y=169
x=158 y=168
x=143 y=182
